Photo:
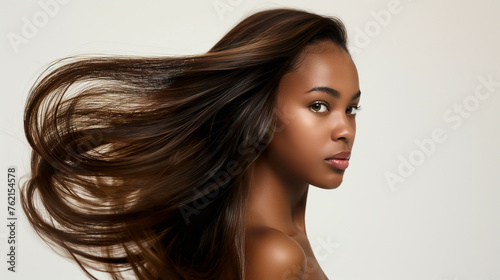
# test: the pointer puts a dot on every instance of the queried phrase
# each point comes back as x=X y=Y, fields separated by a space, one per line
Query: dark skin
x=312 y=127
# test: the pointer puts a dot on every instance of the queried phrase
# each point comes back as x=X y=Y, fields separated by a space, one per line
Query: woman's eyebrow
x=333 y=92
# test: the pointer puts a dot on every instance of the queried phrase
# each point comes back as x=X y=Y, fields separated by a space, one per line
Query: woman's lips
x=339 y=160
x=338 y=163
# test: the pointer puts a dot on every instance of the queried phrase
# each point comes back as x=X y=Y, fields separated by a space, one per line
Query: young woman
x=194 y=167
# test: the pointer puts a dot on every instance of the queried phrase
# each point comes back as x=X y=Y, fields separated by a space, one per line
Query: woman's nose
x=343 y=128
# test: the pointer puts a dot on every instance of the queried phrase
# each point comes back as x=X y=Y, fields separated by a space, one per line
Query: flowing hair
x=140 y=164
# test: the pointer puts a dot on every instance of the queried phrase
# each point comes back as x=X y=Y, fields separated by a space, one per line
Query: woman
x=194 y=167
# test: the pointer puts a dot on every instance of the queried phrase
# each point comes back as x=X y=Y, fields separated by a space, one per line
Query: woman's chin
x=329 y=185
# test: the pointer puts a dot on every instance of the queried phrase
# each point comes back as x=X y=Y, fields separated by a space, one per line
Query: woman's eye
x=353 y=110
x=319 y=107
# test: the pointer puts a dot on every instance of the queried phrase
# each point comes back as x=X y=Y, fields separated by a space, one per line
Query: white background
x=418 y=61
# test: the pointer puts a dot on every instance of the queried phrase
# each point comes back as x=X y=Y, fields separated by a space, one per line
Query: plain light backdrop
x=420 y=199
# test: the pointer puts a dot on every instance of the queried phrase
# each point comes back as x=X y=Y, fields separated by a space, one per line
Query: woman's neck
x=276 y=199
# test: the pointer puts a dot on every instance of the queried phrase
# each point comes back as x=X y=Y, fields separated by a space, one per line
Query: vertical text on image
x=11 y=222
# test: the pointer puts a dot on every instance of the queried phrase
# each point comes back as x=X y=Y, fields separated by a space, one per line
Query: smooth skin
x=313 y=126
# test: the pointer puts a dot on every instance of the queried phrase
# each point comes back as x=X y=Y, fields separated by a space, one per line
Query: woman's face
x=316 y=107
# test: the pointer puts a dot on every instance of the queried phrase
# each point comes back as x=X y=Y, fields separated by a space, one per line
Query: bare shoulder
x=271 y=254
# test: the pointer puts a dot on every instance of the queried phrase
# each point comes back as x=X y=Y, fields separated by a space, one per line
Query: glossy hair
x=140 y=164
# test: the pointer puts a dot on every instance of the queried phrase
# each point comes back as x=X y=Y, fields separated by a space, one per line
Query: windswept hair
x=139 y=164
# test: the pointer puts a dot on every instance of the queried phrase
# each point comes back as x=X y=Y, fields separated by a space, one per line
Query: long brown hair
x=140 y=164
